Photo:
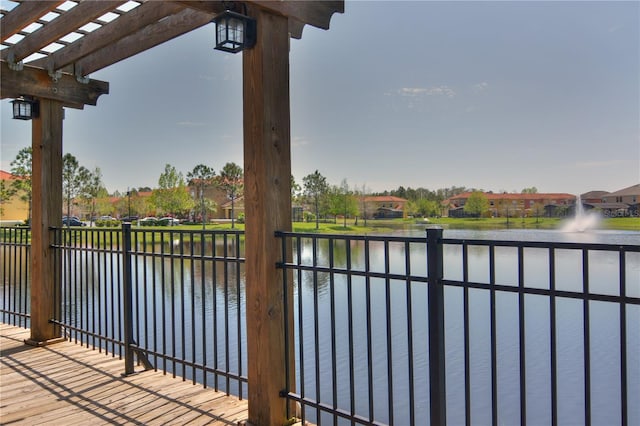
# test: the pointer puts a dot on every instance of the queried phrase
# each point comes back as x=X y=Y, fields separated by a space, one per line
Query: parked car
x=72 y=221
x=168 y=221
x=148 y=221
x=129 y=219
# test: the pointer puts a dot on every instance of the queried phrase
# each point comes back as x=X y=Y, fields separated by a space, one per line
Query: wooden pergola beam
x=314 y=13
x=24 y=14
x=150 y=36
x=64 y=24
x=143 y=15
x=298 y=13
x=36 y=82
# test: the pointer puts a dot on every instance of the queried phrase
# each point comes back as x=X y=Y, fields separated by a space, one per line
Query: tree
x=505 y=208
x=445 y=193
x=315 y=187
x=231 y=181
x=532 y=190
x=21 y=170
x=342 y=202
x=92 y=190
x=131 y=204
x=538 y=210
x=295 y=189
x=74 y=180
x=172 y=196
x=364 y=207
x=201 y=177
x=422 y=208
x=333 y=202
x=476 y=204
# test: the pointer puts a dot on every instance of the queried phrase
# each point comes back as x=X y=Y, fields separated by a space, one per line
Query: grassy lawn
x=622 y=223
x=373 y=226
x=625 y=223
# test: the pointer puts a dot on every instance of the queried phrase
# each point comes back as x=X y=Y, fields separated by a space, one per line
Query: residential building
x=623 y=202
x=384 y=207
x=232 y=213
x=14 y=210
x=515 y=205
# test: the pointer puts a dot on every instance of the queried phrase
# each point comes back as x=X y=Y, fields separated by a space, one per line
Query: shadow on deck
x=66 y=383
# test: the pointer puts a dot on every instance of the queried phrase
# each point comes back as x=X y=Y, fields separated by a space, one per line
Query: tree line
x=81 y=186
x=184 y=195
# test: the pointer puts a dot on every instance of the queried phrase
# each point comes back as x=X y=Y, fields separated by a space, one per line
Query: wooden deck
x=68 y=384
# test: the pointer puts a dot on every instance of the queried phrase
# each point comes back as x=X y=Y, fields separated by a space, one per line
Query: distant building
x=515 y=205
x=384 y=207
x=232 y=213
x=14 y=210
x=621 y=203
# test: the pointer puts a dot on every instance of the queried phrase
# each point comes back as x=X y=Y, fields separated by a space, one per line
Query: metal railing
x=172 y=299
x=385 y=330
x=15 y=244
x=376 y=320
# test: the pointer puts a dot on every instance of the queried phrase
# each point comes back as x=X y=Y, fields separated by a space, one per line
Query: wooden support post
x=46 y=181
x=267 y=180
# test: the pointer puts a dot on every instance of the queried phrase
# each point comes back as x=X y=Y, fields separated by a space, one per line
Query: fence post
x=437 y=389
x=127 y=296
x=130 y=345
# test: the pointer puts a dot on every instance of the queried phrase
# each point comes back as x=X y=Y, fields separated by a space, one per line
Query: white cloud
x=299 y=141
x=427 y=91
x=480 y=87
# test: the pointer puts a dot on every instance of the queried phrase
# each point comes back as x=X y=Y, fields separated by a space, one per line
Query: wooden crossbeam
x=299 y=13
x=143 y=15
x=24 y=14
x=150 y=36
x=314 y=13
x=36 y=82
x=75 y=18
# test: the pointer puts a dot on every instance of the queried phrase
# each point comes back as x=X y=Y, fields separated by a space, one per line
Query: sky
x=498 y=96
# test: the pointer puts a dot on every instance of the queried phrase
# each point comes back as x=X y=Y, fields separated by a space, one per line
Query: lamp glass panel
x=231 y=32
x=21 y=109
x=237 y=30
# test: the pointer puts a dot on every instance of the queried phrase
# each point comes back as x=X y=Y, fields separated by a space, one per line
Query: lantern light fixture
x=24 y=108
x=234 y=31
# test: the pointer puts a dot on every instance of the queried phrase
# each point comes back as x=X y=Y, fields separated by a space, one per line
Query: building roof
x=519 y=196
x=630 y=190
x=6 y=175
x=593 y=194
x=236 y=202
x=384 y=199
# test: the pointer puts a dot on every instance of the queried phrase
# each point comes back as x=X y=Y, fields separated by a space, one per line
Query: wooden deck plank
x=67 y=383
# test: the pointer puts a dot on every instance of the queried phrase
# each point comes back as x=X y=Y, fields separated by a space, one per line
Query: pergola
x=50 y=49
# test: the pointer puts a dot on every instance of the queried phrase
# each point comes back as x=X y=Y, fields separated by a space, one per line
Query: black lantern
x=24 y=109
x=234 y=31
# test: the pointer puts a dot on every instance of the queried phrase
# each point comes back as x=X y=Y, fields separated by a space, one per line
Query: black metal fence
x=15 y=245
x=173 y=298
x=386 y=330
x=395 y=330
